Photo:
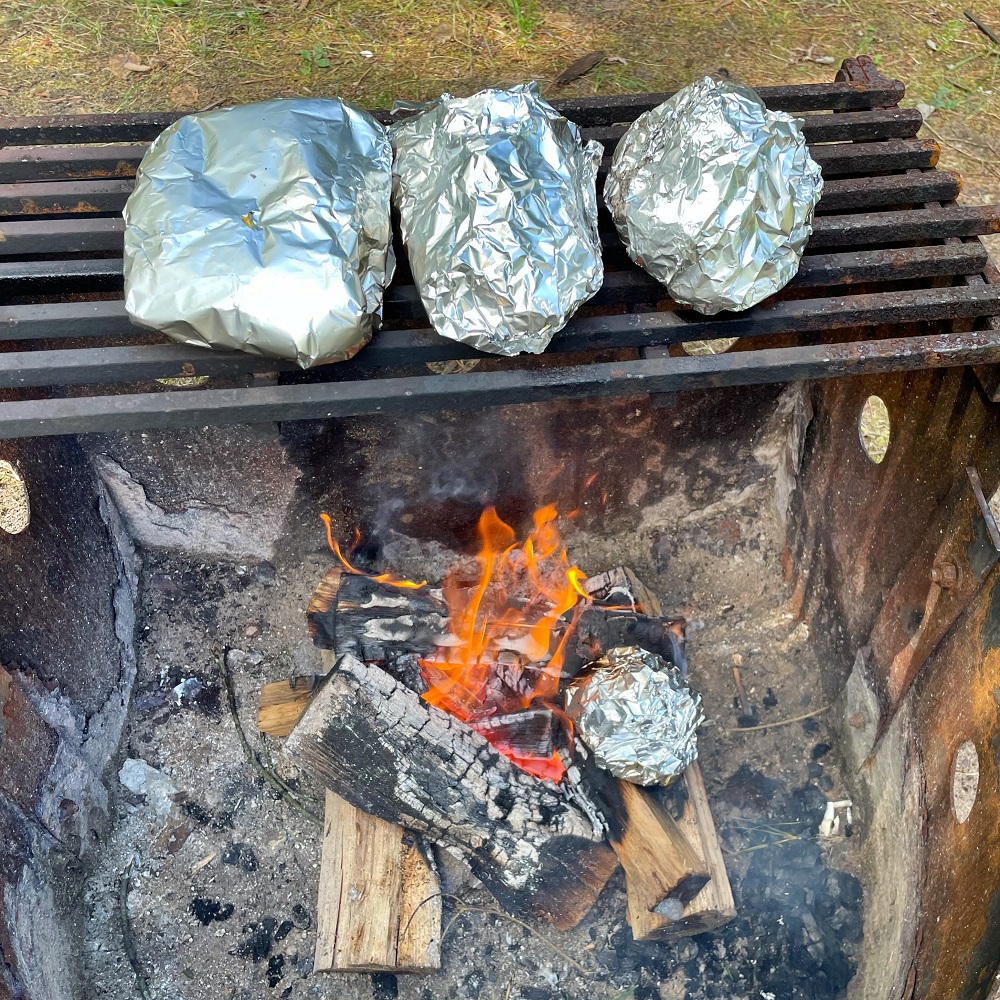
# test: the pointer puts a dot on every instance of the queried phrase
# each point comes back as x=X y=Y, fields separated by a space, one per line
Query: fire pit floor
x=223 y=872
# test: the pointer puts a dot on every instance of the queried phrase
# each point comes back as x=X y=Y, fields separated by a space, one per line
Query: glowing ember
x=508 y=632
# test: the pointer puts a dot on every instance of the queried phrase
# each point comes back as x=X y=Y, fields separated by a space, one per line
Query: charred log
x=375 y=743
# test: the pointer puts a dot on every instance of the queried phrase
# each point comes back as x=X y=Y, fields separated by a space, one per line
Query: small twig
x=280 y=787
x=781 y=722
x=985 y=29
x=361 y=79
x=463 y=908
x=128 y=938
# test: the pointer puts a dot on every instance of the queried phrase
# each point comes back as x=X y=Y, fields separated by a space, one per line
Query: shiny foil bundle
x=497 y=200
x=714 y=195
x=638 y=716
x=264 y=228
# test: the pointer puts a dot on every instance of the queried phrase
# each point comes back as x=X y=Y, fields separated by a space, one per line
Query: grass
x=55 y=54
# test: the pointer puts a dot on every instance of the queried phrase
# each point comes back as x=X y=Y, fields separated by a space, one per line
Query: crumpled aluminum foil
x=498 y=206
x=714 y=195
x=265 y=228
x=637 y=715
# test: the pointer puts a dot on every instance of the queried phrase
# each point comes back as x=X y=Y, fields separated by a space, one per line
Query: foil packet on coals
x=497 y=200
x=635 y=712
x=714 y=195
x=263 y=228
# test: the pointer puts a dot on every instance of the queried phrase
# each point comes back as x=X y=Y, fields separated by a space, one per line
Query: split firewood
x=379 y=907
x=714 y=905
x=379 y=904
x=377 y=744
x=283 y=702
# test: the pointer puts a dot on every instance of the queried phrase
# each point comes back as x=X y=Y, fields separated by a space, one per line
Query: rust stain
x=30 y=207
x=122 y=169
x=958 y=703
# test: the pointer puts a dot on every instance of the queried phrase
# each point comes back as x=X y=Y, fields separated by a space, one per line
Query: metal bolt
x=945 y=574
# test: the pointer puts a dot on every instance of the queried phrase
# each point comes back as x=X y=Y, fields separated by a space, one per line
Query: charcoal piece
x=206 y=911
x=748 y=787
x=599 y=630
x=242 y=855
x=820 y=751
x=257 y=943
x=807 y=806
x=815 y=770
x=275 y=970
x=284 y=929
x=770 y=699
x=301 y=917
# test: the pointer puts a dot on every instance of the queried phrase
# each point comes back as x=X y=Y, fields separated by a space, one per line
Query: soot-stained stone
x=284 y=929
x=301 y=917
x=208 y=910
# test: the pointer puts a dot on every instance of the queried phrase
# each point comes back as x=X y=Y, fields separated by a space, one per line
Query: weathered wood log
x=539 y=849
x=379 y=907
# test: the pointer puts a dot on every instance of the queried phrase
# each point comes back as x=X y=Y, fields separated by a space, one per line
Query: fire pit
x=833 y=593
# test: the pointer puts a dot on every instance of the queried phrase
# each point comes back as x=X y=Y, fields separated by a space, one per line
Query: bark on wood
x=379 y=907
x=374 y=742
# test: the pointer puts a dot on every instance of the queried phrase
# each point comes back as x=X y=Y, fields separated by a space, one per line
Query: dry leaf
x=184 y=96
x=125 y=63
x=583 y=65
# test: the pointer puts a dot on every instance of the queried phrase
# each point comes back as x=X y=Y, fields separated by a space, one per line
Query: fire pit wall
x=650 y=482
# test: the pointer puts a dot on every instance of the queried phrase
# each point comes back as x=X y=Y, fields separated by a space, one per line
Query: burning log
x=377 y=744
x=651 y=846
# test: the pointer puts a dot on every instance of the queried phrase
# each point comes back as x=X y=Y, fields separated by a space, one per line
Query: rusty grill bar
x=894 y=278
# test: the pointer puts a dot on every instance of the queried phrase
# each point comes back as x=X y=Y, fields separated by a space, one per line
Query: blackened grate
x=895 y=278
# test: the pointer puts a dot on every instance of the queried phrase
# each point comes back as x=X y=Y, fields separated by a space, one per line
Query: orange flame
x=395 y=581
x=509 y=629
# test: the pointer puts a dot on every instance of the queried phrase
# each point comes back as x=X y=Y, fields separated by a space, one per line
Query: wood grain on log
x=374 y=742
x=379 y=906
x=283 y=702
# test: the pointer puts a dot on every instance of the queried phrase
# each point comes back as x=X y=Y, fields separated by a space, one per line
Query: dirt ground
x=74 y=56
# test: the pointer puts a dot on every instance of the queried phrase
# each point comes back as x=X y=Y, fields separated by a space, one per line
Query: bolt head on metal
x=944 y=574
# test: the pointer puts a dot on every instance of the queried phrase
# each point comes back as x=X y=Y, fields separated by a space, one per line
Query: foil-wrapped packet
x=497 y=200
x=638 y=716
x=264 y=228
x=714 y=195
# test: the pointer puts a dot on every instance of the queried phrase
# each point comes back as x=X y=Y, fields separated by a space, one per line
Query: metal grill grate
x=895 y=277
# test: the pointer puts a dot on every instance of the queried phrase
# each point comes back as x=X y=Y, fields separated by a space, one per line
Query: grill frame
x=895 y=278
